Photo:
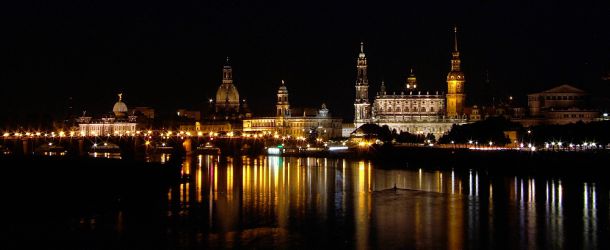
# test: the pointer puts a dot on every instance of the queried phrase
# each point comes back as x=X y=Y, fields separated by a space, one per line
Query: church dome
x=120 y=108
x=227 y=94
x=455 y=75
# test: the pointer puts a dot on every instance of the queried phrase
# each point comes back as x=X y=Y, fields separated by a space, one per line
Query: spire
x=120 y=97
x=411 y=81
x=382 y=88
x=361 y=55
x=455 y=61
x=455 y=44
x=227 y=73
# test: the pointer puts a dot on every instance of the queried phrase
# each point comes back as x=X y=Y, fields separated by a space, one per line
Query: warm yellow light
x=199 y=133
x=6 y=134
x=147 y=143
x=61 y=133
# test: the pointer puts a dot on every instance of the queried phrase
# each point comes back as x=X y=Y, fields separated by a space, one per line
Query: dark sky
x=169 y=54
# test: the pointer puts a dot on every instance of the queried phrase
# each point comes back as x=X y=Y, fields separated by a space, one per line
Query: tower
x=227 y=96
x=411 y=81
x=282 y=106
x=362 y=112
x=455 y=83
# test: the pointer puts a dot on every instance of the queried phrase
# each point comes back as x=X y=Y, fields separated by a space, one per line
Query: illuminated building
x=412 y=110
x=226 y=112
x=362 y=113
x=560 y=105
x=119 y=123
x=289 y=122
x=227 y=105
x=455 y=84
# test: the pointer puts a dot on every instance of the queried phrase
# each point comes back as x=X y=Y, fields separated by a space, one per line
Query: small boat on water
x=50 y=149
x=208 y=149
x=106 y=147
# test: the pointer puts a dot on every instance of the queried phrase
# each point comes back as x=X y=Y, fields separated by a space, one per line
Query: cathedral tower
x=411 y=81
x=282 y=106
x=455 y=83
x=227 y=97
x=362 y=107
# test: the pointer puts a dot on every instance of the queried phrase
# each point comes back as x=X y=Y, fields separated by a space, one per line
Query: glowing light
x=147 y=143
x=50 y=144
x=6 y=134
x=337 y=148
x=94 y=145
x=273 y=151
x=199 y=133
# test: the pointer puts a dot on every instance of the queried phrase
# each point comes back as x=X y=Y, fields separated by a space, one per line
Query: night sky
x=169 y=54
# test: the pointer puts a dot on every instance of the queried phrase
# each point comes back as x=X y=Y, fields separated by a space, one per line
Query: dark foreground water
x=312 y=203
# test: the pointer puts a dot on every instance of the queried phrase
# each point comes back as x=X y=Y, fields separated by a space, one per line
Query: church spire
x=455 y=45
x=455 y=61
x=411 y=81
x=227 y=73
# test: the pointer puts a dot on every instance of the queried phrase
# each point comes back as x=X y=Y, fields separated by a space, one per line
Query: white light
x=337 y=148
x=94 y=145
x=273 y=151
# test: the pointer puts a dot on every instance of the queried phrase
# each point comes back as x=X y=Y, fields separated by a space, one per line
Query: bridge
x=132 y=145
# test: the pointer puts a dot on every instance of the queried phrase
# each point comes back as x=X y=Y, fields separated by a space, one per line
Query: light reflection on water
x=282 y=201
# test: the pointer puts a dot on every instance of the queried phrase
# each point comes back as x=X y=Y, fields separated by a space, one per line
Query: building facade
x=120 y=123
x=227 y=105
x=560 y=105
x=287 y=123
x=412 y=110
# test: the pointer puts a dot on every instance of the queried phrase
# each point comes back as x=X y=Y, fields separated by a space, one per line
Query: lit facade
x=119 y=124
x=286 y=124
x=560 y=105
x=412 y=110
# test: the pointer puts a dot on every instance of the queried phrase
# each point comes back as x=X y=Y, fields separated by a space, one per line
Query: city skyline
x=160 y=60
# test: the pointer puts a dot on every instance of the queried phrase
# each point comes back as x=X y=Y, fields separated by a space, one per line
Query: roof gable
x=565 y=88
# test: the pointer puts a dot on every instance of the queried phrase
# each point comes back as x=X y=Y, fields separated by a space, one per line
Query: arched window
x=423 y=109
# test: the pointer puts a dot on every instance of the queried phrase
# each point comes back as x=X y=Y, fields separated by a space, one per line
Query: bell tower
x=362 y=107
x=282 y=106
x=455 y=83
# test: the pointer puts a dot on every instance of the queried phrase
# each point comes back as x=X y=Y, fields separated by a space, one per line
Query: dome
x=227 y=96
x=120 y=108
x=455 y=75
